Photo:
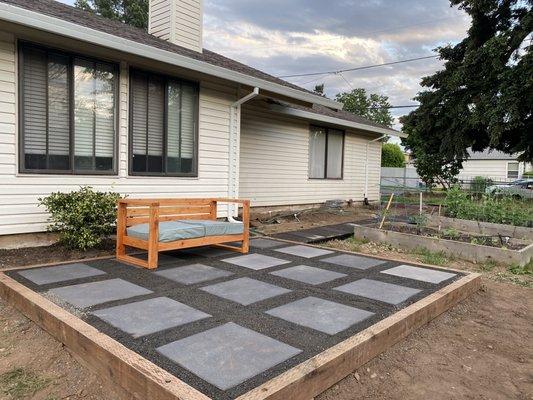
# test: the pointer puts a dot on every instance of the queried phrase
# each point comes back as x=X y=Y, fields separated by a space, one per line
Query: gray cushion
x=168 y=231
x=217 y=228
x=187 y=229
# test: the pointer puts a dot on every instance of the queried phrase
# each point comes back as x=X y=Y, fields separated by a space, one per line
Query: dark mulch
x=49 y=254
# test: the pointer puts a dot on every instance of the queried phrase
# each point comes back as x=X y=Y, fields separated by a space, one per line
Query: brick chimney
x=178 y=21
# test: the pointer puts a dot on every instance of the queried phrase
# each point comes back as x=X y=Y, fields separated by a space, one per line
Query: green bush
x=500 y=210
x=479 y=184
x=82 y=218
x=392 y=156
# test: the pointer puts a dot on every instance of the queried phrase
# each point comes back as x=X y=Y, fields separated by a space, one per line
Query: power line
x=358 y=68
x=406 y=106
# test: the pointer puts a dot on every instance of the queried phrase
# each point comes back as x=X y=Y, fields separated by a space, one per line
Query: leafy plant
x=420 y=221
x=83 y=217
x=450 y=233
x=521 y=270
x=501 y=210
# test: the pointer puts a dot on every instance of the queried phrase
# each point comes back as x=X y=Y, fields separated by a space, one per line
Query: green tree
x=483 y=98
x=374 y=107
x=131 y=12
x=319 y=89
x=392 y=156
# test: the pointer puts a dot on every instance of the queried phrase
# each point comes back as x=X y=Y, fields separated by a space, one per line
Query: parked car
x=522 y=188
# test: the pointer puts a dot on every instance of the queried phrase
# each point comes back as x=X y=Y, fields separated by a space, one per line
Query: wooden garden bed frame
x=153 y=211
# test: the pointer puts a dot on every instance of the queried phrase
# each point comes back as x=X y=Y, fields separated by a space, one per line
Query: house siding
x=274 y=163
x=19 y=193
x=493 y=169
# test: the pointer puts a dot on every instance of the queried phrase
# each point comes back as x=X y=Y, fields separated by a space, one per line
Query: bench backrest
x=172 y=210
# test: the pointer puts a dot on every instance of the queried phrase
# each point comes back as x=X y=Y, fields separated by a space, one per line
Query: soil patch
x=449 y=234
x=49 y=254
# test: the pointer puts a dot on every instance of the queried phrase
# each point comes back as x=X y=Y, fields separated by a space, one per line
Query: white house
x=496 y=165
x=89 y=101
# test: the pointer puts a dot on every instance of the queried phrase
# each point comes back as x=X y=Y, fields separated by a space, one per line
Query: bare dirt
x=481 y=349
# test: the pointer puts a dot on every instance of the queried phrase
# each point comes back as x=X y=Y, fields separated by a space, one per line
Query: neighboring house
x=496 y=165
x=89 y=101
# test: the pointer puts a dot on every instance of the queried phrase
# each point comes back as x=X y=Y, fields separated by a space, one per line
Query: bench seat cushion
x=171 y=231
x=218 y=228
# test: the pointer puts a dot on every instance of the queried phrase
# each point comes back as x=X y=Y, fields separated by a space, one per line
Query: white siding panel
x=274 y=163
x=19 y=193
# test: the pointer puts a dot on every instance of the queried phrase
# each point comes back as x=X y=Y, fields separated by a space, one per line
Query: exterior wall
x=493 y=169
x=274 y=163
x=19 y=193
x=178 y=21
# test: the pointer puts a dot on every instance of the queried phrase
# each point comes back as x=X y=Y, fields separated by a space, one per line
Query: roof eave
x=58 y=26
x=293 y=112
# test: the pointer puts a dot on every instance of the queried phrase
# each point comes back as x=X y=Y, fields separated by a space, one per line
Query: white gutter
x=294 y=112
x=61 y=27
x=234 y=148
x=365 y=201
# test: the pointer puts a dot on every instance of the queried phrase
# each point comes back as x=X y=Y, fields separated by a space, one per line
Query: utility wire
x=358 y=68
x=379 y=108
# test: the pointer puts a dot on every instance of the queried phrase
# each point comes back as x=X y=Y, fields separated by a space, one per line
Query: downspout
x=234 y=133
x=365 y=201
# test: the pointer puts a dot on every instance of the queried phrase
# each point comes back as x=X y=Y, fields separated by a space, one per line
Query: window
x=164 y=125
x=68 y=112
x=512 y=170
x=326 y=153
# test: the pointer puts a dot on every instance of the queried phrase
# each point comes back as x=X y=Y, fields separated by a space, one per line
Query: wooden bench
x=151 y=224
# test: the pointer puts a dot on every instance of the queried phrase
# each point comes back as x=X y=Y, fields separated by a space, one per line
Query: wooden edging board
x=142 y=379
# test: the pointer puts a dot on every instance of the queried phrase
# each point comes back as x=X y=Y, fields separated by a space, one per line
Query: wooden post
x=246 y=226
x=386 y=210
x=421 y=203
x=153 y=236
x=121 y=229
x=213 y=210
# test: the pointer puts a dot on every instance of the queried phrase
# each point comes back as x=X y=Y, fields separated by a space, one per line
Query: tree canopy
x=483 y=98
x=392 y=156
x=131 y=12
x=374 y=107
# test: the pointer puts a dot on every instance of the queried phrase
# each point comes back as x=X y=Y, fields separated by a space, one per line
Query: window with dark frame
x=67 y=112
x=163 y=125
x=326 y=153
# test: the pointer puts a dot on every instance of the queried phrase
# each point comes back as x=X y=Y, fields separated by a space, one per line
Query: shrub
x=479 y=184
x=392 y=156
x=504 y=210
x=82 y=218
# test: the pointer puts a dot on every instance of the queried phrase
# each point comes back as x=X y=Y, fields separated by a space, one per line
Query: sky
x=285 y=37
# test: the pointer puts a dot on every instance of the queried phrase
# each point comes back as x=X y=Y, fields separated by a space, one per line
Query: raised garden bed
x=464 y=245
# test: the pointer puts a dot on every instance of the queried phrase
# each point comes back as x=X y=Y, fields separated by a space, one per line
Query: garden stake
x=386 y=210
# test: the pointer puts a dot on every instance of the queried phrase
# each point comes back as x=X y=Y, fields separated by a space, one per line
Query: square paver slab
x=148 y=316
x=245 y=291
x=419 y=274
x=310 y=275
x=262 y=243
x=349 y=260
x=323 y=315
x=381 y=291
x=194 y=273
x=90 y=294
x=304 y=251
x=60 y=273
x=256 y=261
x=228 y=355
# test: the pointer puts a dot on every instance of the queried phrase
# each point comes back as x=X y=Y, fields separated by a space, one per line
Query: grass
x=19 y=383
x=430 y=257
